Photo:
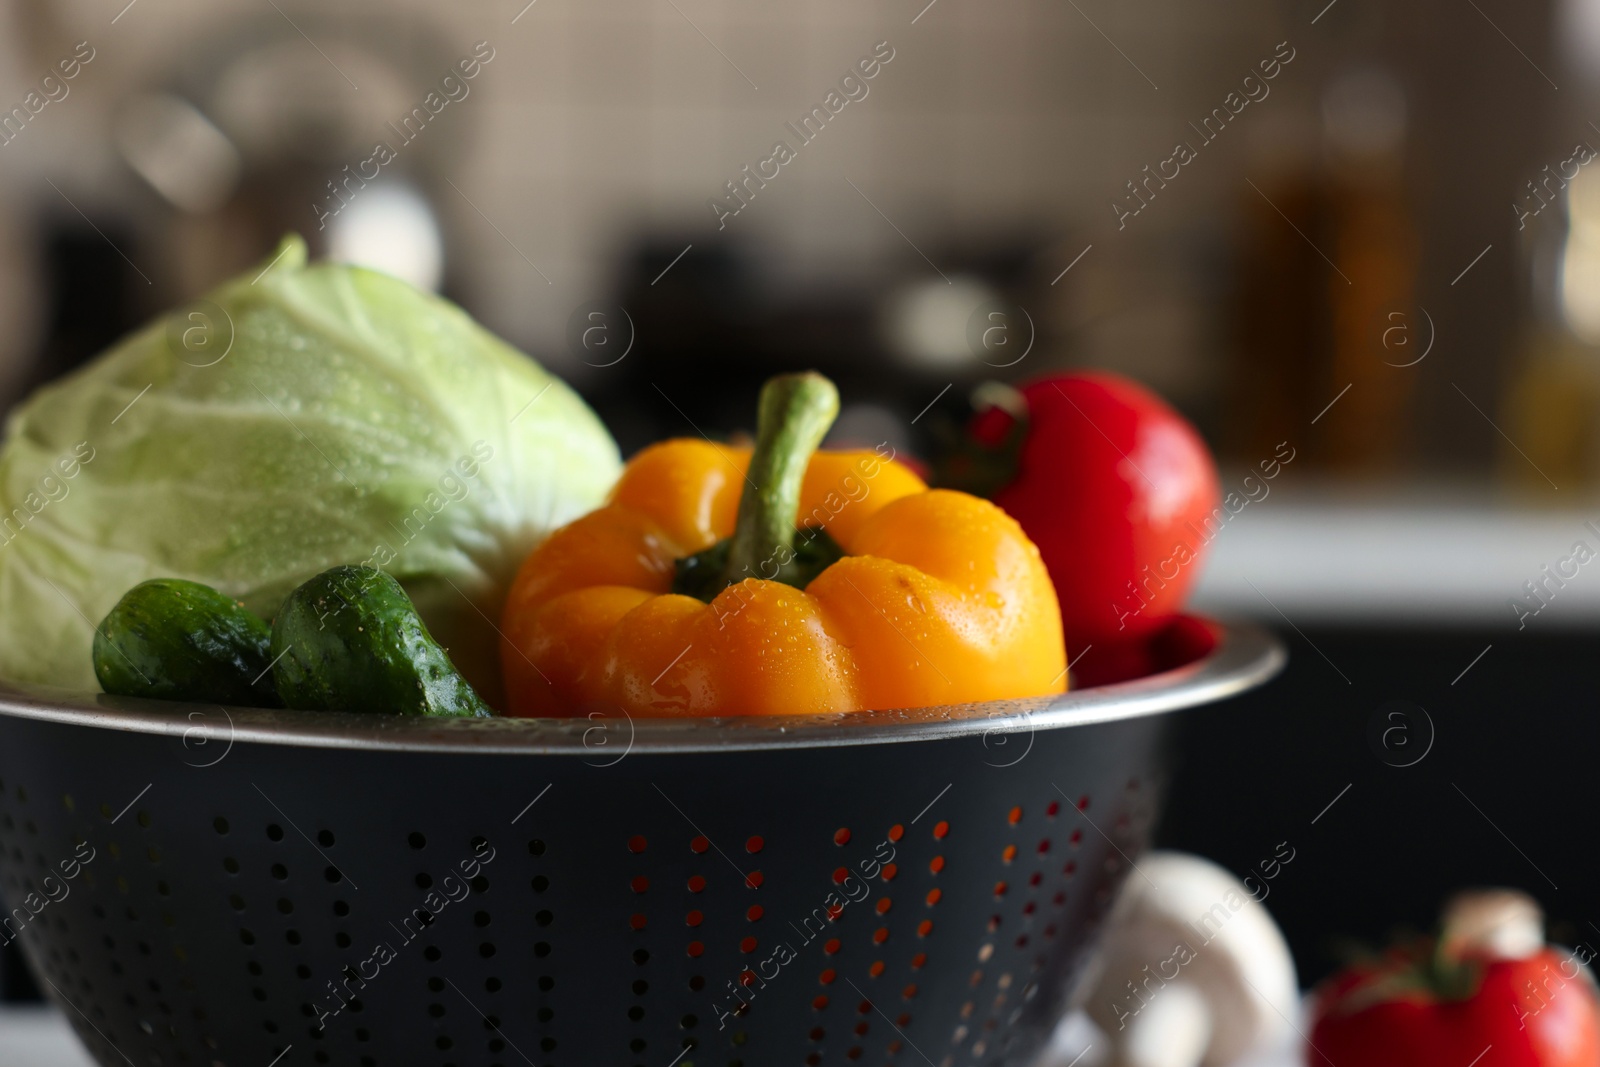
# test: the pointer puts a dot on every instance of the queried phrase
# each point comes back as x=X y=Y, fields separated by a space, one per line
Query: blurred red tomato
x=1412 y=1009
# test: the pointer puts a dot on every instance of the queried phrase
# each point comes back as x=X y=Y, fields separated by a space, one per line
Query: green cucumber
x=351 y=640
x=176 y=640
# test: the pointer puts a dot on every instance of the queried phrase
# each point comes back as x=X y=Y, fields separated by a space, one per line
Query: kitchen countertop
x=37 y=1036
x=1078 y=1043
x=1401 y=555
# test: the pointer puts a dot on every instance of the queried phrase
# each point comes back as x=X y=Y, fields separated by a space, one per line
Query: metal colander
x=208 y=886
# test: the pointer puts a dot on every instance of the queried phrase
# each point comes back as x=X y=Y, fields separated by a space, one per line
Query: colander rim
x=1244 y=656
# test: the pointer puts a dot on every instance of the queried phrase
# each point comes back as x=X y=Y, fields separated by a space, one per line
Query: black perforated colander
x=215 y=887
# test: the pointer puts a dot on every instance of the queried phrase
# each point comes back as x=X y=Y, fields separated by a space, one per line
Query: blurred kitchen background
x=988 y=153
x=1387 y=255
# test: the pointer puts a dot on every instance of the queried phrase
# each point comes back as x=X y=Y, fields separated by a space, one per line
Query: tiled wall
x=598 y=117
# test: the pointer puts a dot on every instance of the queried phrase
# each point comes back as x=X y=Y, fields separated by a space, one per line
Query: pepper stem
x=794 y=414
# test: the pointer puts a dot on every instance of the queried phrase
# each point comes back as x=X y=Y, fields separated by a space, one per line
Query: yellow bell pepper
x=783 y=581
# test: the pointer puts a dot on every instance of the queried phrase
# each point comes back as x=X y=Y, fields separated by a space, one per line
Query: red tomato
x=1120 y=494
x=1535 y=1012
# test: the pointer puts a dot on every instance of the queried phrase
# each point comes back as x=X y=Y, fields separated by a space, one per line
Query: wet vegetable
x=779 y=580
x=172 y=639
x=351 y=640
x=302 y=416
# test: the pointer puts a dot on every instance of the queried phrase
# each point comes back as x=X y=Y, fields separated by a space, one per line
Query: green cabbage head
x=297 y=418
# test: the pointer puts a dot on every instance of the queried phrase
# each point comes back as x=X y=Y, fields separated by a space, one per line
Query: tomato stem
x=979 y=466
x=794 y=414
